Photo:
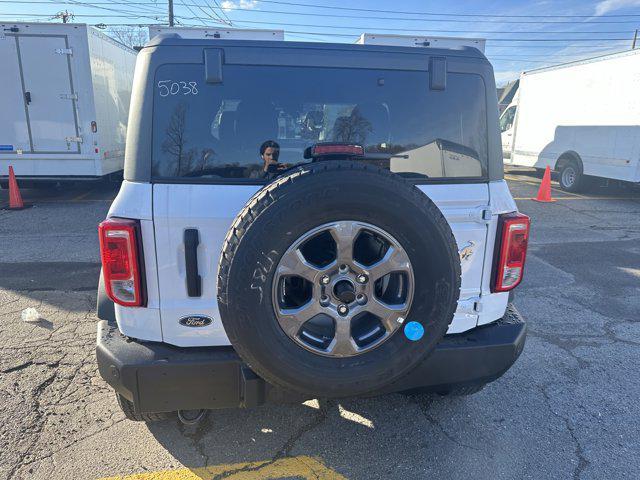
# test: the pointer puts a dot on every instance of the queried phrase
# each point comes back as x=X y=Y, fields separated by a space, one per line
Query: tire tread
x=266 y=196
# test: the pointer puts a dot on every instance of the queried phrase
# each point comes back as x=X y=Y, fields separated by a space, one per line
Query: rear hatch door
x=206 y=159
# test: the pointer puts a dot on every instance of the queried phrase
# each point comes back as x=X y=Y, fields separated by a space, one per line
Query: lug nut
x=325 y=280
x=362 y=278
x=343 y=309
x=361 y=298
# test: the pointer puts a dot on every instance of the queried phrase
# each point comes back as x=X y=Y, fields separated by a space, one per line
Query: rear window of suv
x=214 y=131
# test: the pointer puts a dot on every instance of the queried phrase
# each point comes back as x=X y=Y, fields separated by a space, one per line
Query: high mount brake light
x=513 y=232
x=336 y=149
x=333 y=149
x=121 y=267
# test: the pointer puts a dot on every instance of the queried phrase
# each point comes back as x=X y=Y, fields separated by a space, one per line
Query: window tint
x=216 y=130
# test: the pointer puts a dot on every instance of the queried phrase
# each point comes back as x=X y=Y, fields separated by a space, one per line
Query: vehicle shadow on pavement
x=228 y=441
x=43 y=282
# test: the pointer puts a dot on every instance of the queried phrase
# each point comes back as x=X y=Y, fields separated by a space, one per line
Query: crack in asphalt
x=28 y=364
x=424 y=406
x=582 y=463
x=285 y=451
x=38 y=420
x=197 y=437
x=565 y=344
x=48 y=372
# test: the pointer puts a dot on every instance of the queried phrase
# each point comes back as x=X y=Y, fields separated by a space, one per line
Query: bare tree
x=352 y=129
x=175 y=141
x=129 y=35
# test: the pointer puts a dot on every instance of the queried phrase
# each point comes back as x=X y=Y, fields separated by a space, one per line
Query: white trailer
x=581 y=118
x=420 y=41
x=65 y=101
x=222 y=33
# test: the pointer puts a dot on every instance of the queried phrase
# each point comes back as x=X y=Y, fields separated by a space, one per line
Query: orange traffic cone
x=15 y=199
x=544 y=193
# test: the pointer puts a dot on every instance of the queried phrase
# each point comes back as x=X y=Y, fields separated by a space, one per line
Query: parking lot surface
x=567 y=409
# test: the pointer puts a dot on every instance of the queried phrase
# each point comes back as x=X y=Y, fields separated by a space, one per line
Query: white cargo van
x=65 y=97
x=582 y=119
x=420 y=41
x=218 y=33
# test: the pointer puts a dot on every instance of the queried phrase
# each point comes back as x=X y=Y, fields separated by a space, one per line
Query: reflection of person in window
x=269 y=152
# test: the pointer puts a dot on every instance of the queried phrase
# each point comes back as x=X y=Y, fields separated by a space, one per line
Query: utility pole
x=64 y=16
x=635 y=39
x=171 y=13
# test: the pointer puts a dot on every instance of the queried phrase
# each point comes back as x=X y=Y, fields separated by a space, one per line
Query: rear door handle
x=194 y=281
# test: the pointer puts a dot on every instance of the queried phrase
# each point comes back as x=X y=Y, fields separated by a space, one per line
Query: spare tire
x=337 y=279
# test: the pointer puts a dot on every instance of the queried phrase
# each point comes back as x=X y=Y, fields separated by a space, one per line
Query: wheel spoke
x=342 y=344
x=327 y=299
x=344 y=234
x=294 y=264
x=291 y=319
x=395 y=260
x=388 y=314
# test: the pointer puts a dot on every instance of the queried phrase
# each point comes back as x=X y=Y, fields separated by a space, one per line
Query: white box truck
x=582 y=119
x=65 y=102
x=221 y=33
x=420 y=41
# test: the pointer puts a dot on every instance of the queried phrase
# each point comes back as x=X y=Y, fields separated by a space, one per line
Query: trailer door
x=14 y=133
x=49 y=94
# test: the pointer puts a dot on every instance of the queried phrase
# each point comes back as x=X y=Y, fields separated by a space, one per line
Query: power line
x=376 y=10
x=483 y=18
x=457 y=20
x=223 y=12
x=128 y=12
x=43 y=15
x=399 y=12
x=192 y=12
x=414 y=30
x=217 y=17
x=420 y=30
x=374 y=28
x=197 y=18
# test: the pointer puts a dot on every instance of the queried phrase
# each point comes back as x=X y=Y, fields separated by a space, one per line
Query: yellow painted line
x=297 y=467
x=81 y=196
x=515 y=179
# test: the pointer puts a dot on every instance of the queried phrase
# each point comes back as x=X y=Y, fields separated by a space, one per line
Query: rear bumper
x=158 y=377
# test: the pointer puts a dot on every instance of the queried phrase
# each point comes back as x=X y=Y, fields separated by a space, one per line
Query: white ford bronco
x=305 y=220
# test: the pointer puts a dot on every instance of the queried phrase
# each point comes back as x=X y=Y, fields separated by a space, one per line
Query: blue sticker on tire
x=413 y=331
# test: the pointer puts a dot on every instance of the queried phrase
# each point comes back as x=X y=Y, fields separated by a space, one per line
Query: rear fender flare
x=105 y=308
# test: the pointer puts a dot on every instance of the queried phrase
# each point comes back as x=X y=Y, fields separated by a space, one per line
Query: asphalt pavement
x=567 y=409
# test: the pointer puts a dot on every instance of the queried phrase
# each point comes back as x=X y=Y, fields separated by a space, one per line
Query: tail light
x=513 y=235
x=121 y=267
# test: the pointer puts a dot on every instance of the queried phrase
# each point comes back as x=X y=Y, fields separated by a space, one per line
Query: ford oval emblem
x=196 y=321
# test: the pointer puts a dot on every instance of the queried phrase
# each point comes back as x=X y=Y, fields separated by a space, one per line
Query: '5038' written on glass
x=169 y=87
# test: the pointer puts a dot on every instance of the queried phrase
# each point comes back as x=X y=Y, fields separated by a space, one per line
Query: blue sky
x=510 y=40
